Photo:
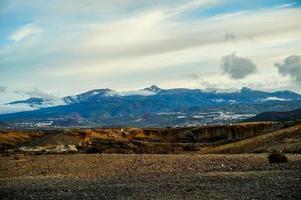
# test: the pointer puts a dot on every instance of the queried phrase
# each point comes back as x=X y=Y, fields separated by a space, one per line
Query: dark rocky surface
x=99 y=176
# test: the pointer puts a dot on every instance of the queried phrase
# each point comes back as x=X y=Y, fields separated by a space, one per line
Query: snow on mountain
x=152 y=90
x=217 y=90
x=158 y=100
x=87 y=96
x=130 y=93
x=275 y=99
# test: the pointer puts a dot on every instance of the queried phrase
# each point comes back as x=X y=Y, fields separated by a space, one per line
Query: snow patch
x=181 y=117
x=198 y=117
x=275 y=99
x=131 y=93
x=218 y=100
x=219 y=90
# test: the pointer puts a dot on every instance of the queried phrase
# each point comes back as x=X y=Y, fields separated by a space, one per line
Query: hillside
x=278 y=116
x=286 y=140
x=3 y=124
x=238 y=138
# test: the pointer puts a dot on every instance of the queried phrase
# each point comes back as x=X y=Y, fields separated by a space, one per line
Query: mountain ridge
x=106 y=92
x=154 y=106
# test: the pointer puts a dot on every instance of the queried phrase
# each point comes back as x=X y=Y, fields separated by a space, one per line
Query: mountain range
x=149 y=107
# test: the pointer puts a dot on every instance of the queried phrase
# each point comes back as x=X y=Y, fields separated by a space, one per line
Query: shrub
x=276 y=157
x=17 y=157
x=92 y=150
x=190 y=147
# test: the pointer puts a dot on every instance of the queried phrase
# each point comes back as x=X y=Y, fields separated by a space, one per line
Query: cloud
x=193 y=76
x=48 y=100
x=6 y=109
x=286 y=5
x=261 y=81
x=38 y=93
x=291 y=67
x=191 y=5
x=2 y=89
x=237 y=67
x=24 y=31
x=101 y=44
x=230 y=37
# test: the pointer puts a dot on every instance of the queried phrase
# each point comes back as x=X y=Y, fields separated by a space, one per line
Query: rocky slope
x=238 y=138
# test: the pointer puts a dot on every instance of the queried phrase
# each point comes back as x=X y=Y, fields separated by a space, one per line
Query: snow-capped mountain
x=106 y=106
x=93 y=95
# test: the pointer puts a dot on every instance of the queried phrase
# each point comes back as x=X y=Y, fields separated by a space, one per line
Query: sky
x=58 y=48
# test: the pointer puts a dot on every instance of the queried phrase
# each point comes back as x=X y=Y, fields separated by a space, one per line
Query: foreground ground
x=115 y=176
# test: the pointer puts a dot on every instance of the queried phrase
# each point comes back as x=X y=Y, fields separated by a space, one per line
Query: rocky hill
x=294 y=115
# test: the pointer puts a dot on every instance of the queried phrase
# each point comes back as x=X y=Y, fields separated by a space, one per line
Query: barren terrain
x=206 y=162
x=129 y=176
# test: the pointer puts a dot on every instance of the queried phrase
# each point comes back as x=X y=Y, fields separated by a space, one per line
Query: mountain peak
x=246 y=89
x=98 y=91
x=153 y=88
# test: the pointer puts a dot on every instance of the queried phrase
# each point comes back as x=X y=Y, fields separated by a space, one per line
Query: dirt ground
x=127 y=176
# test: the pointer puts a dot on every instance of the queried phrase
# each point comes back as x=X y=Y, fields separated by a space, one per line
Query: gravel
x=115 y=176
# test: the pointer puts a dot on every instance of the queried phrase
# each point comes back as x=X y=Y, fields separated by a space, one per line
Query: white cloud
x=38 y=93
x=270 y=81
x=150 y=34
x=49 y=100
x=5 y=109
x=190 y=5
x=150 y=45
x=24 y=31
x=286 y=5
